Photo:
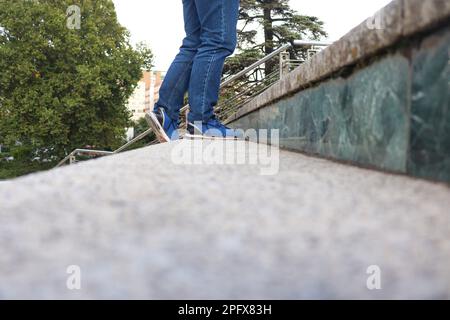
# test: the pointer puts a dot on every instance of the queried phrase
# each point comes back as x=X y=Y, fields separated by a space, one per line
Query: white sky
x=160 y=23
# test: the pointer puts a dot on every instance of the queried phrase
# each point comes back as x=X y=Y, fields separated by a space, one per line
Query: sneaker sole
x=156 y=127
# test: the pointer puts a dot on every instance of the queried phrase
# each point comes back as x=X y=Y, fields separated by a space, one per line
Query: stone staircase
x=183 y=221
x=141 y=225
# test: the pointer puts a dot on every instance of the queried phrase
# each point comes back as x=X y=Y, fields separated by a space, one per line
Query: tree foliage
x=266 y=25
x=63 y=88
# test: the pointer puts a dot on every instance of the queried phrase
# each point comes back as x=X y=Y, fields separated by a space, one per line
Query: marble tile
x=359 y=119
x=430 y=109
x=377 y=114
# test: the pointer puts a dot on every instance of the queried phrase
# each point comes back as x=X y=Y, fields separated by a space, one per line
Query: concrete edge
x=399 y=19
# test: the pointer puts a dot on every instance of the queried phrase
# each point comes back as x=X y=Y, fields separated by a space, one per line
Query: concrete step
x=142 y=225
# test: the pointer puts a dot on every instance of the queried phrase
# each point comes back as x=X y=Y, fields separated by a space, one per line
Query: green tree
x=147 y=54
x=266 y=25
x=64 y=87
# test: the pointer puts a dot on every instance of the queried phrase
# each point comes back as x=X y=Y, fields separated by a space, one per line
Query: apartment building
x=146 y=94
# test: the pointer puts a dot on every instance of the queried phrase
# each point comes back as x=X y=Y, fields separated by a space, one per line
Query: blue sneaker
x=165 y=128
x=212 y=129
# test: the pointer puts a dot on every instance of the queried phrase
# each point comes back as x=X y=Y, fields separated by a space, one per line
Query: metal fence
x=239 y=89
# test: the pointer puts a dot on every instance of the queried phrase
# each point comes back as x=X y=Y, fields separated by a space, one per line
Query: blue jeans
x=210 y=27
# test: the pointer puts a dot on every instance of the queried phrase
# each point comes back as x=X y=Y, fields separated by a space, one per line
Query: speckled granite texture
x=141 y=226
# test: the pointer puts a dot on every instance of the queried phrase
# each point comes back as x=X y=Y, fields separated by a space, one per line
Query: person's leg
x=218 y=20
x=176 y=81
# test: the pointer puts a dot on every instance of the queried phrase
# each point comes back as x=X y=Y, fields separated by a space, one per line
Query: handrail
x=256 y=64
x=305 y=43
x=283 y=48
x=248 y=69
x=136 y=139
x=76 y=151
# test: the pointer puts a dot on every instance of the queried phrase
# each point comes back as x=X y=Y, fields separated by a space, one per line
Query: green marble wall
x=392 y=115
x=430 y=109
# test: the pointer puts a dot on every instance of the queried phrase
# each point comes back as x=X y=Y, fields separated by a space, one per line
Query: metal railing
x=245 y=85
x=236 y=90
x=71 y=157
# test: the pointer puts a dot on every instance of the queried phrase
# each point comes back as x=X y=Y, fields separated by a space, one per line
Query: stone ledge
x=420 y=15
x=399 y=19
